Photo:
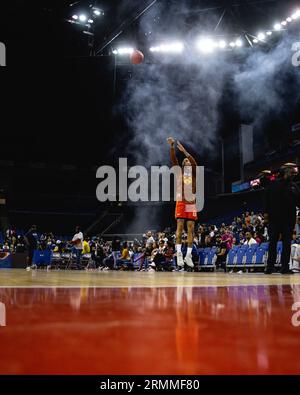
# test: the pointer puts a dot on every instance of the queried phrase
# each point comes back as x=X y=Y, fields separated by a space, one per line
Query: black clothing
x=116 y=245
x=221 y=259
x=32 y=238
x=281 y=199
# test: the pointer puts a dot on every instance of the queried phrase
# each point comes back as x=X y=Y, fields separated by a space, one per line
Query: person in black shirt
x=221 y=254
x=116 y=248
x=31 y=239
x=281 y=199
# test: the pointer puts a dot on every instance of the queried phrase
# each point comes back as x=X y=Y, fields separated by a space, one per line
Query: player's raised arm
x=189 y=156
x=174 y=159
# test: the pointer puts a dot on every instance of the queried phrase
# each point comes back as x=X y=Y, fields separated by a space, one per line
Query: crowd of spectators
x=154 y=251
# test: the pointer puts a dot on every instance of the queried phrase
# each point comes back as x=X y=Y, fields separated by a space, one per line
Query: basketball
x=137 y=57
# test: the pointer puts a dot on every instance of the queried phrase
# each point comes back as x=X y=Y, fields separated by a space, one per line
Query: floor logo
x=296 y=315
x=2 y=314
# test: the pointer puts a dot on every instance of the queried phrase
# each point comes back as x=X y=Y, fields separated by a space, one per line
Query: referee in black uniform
x=281 y=199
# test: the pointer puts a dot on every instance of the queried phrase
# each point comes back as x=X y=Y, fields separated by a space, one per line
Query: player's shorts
x=186 y=211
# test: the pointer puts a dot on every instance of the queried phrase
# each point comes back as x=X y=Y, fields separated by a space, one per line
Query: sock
x=189 y=251
x=178 y=248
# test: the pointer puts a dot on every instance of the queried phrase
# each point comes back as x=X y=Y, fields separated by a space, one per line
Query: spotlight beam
x=220 y=20
x=248 y=39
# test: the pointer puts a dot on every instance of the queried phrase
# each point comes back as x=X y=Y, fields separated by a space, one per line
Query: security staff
x=281 y=199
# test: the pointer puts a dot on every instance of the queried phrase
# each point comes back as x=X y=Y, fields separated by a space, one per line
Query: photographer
x=281 y=199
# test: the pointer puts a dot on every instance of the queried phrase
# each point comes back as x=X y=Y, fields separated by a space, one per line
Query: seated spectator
x=208 y=242
x=163 y=259
x=20 y=245
x=6 y=247
x=125 y=260
x=85 y=246
x=249 y=239
x=258 y=238
x=227 y=238
x=247 y=219
x=297 y=226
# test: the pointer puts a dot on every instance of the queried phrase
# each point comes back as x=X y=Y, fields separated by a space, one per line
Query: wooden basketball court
x=73 y=322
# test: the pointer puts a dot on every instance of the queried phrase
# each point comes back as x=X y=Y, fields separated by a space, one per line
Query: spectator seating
x=207 y=258
x=253 y=256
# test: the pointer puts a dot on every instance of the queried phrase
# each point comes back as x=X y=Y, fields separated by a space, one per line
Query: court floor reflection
x=206 y=330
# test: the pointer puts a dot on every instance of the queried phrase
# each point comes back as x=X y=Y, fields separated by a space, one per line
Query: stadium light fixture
x=222 y=44
x=239 y=43
x=82 y=18
x=269 y=33
x=75 y=17
x=123 y=51
x=176 y=47
x=277 y=26
x=255 y=41
x=289 y=19
x=206 y=45
x=261 y=36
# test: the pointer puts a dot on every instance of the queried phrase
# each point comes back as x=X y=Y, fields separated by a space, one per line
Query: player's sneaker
x=188 y=260
x=180 y=261
x=28 y=268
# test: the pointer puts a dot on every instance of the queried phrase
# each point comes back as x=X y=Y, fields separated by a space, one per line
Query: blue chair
x=241 y=256
x=211 y=258
x=250 y=256
x=260 y=256
x=201 y=254
x=265 y=246
x=279 y=246
x=244 y=247
x=231 y=257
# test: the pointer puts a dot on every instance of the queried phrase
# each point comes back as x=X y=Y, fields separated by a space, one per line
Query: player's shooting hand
x=170 y=140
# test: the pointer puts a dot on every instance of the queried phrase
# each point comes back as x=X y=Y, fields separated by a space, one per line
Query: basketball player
x=185 y=209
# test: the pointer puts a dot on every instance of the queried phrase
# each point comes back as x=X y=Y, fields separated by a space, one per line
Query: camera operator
x=281 y=199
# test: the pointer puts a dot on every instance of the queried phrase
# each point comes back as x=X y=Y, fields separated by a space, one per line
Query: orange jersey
x=188 y=178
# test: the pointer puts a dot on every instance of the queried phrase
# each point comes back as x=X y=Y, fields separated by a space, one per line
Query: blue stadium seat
x=244 y=247
x=241 y=256
x=210 y=258
x=260 y=256
x=265 y=246
x=250 y=256
x=279 y=246
x=201 y=254
x=231 y=257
